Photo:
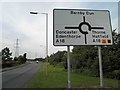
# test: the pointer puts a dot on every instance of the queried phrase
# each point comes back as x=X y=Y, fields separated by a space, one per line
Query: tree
x=22 y=59
x=24 y=56
x=111 y=58
x=57 y=58
x=6 y=56
x=85 y=58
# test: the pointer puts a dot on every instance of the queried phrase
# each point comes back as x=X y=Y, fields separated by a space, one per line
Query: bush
x=8 y=64
x=90 y=72
x=116 y=74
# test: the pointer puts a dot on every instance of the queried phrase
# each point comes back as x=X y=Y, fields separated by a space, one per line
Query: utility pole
x=17 y=48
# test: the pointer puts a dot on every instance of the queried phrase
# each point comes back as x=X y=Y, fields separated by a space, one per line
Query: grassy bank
x=57 y=78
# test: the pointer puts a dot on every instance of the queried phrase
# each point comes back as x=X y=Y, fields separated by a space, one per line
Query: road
x=19 y=77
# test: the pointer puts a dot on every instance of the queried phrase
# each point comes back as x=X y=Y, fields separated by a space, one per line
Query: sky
x=16 y=22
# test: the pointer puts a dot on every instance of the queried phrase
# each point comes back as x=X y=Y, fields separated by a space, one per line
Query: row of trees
x=84 y=59
x=8 y=61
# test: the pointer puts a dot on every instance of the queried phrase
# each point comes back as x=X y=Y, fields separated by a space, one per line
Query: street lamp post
x=46 y=38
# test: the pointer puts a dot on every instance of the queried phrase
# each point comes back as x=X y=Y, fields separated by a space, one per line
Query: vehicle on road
x=37 y=61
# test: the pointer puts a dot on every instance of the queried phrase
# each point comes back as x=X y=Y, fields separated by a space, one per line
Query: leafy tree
x=24 y=56
x=57 y=57
x=22 y=59
x=15 y=59
x=6 y=56
x=111 y=58
x=85 y=58
x=115 y=37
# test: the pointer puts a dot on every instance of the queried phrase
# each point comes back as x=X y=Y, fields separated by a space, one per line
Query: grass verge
x=57 y=78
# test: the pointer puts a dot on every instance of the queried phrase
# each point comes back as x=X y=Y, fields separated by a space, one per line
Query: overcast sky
x=17 y=22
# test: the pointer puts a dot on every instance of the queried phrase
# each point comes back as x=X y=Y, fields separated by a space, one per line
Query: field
x=57 y=78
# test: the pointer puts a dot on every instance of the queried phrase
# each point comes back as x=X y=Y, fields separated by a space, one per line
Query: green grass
x=57 y=78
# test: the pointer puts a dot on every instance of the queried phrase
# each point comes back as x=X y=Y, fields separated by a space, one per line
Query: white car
x=37 y=61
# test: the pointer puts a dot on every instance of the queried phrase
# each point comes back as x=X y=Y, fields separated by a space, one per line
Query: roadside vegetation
x=84 y=59
x=84 y=66
x=57 y=78
x=8 y=61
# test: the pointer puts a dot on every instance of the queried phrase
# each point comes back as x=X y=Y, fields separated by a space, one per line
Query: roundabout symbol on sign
x=81 y=29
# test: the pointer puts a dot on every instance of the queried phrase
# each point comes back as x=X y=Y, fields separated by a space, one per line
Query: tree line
x=84 y=59
x=8 y=61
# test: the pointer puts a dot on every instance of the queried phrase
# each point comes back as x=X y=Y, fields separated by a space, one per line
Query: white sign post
x=82 y=27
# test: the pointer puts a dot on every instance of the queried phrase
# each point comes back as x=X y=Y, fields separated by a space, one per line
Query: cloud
x=34 y=29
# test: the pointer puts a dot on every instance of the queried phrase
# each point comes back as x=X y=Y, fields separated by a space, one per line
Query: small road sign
x=81 y=27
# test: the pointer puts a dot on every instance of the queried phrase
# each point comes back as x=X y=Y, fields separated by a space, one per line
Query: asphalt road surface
x=19 y=77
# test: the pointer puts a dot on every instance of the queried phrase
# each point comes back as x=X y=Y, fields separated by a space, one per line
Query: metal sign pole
x=100 y=66
x=46 y=43
x=68 y=64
